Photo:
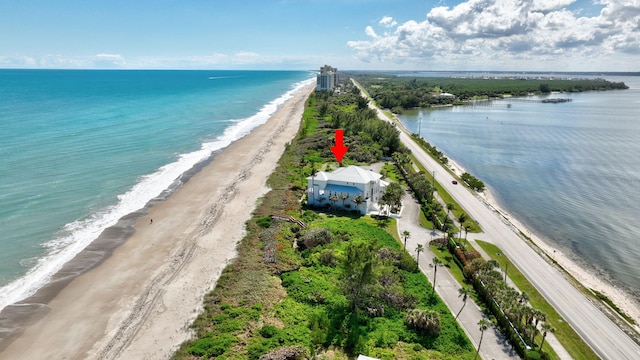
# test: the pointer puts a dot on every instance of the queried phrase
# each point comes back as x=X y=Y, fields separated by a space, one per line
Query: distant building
x=349 y=182
x=327 y=78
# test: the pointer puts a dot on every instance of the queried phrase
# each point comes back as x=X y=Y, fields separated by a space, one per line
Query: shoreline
x=620 y=297
x=146 y=282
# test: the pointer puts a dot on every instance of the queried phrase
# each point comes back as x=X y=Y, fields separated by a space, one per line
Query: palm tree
x=449 y=229
x=358 y=199
x=546 y=328
x=447 y=223
x=461 y=219
x=424 y=320
x=435 y=263
x=484 y=325
x=450 y=206
x=436 y=207
x=419 y=249
x=400 y=158
x=333 y=198
x=406 y=235
x=539 y=316
x=464 y=292
x=344 y=197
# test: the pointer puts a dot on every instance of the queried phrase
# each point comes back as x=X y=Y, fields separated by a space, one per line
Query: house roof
x=362 y=357
x=352 y=174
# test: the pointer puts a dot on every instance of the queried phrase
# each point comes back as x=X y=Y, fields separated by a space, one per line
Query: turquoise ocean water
x=570 y=171
x=80 y=149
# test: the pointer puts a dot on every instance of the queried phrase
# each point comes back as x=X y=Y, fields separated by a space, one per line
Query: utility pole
x=433 y=180
x=506 y=267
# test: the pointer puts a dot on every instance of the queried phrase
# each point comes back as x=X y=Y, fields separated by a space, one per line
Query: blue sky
x=546 y=35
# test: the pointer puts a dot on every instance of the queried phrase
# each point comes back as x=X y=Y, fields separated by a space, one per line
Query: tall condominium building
x=327 y=79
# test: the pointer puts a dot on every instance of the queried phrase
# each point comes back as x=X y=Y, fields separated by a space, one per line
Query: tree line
x=404 y=92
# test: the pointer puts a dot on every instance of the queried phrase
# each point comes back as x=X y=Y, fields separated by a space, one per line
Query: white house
x=346 y=183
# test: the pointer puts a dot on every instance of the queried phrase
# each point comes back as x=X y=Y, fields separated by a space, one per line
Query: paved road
x=493 y=345
x=604 y=337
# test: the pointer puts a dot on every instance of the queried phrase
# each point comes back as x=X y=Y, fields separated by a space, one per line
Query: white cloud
x=370 y=32
x=505 y=33
x=388 y=22
x=108 y=61
x=17 y=62
x=239 y=60
x=247 y=54
x=57 y=61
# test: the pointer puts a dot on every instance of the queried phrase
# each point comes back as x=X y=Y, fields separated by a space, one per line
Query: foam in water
x=79 y=234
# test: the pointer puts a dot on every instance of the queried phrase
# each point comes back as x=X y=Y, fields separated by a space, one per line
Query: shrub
x=314 y=238
x=212 y=346
x=255 y=351
x=472 y=254
x=532 y=355
x=386 y=339
x=269 y=331
x=427 y=321
x=460 y=255
x=264 y=221
x=473 y=182
x=328 y=258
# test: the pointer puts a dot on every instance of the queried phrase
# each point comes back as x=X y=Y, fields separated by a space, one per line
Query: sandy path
x=139 y=302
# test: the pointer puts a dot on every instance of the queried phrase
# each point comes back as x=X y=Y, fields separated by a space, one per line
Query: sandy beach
x=149 y=277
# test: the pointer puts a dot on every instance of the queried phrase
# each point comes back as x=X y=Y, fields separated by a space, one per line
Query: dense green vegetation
x=368 y=138
x=337 y=286
x=405 y=92
x=472 y=181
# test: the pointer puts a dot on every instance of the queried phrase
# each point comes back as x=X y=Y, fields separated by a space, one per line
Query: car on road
x=454 y=182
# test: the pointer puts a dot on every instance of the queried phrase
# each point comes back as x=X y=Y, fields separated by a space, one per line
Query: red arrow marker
x=339 y=150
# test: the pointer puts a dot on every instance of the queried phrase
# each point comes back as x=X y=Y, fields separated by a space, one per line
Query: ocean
x=570 y=171
x=79 y=149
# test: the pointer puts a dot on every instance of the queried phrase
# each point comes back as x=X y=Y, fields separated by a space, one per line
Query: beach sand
x=139 y=299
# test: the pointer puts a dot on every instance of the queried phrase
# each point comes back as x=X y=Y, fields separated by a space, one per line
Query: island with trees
x=399 y=93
